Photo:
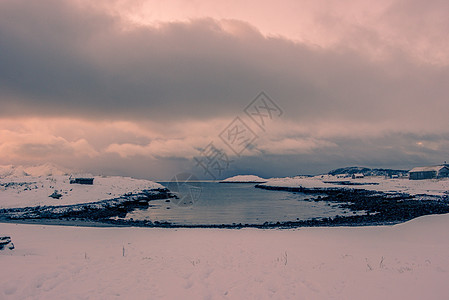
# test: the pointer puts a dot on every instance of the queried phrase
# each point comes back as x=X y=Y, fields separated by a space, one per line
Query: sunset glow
x=139 y=87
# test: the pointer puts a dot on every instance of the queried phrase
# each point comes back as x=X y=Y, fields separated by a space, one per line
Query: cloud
x=80 y=85
x=60 y=60
x=20 y=147
x=150 y=150
x=413 y=27
x=180 y=148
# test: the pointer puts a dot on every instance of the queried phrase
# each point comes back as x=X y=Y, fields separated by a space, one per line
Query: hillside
x=368 y=171
x=47 y=185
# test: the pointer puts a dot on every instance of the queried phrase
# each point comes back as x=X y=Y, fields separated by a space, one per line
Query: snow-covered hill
x=31 y=187
x=368 y=172
x=244 y=178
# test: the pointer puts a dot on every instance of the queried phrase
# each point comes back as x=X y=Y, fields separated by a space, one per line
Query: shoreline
x=146 y=224
x=380 y=209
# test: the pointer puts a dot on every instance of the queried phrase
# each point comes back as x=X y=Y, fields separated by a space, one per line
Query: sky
x=150 y=89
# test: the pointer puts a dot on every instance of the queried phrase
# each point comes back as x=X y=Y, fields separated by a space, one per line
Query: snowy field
x=406 y=261
x=434 y=187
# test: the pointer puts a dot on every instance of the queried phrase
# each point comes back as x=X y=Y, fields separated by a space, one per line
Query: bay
x=212 y=203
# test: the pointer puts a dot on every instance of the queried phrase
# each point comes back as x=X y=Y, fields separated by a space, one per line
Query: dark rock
x=55 y=195
x=5 y=243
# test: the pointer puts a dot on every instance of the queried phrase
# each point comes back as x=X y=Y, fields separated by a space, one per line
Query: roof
x=81 y=175
x=428 y=169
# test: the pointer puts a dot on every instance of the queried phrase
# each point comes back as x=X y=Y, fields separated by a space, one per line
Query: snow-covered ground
x=437 y=187
x=245 y=178
x=21 y=188
x=406 y=261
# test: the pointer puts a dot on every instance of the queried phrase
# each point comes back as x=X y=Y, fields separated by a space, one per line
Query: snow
x=245 y=178
x=407 y=261
x=30 y=191
x=433 y=187
x=47 y=169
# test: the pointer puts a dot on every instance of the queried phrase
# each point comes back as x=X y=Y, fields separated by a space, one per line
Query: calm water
x=208 y=203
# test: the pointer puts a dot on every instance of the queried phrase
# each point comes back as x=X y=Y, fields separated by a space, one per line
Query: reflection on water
x=234 y=203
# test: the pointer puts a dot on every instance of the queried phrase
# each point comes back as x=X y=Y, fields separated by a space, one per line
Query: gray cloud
x=58 y=59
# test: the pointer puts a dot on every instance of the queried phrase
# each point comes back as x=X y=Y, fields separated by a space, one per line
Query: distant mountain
x=368 y=171
x=47 y=169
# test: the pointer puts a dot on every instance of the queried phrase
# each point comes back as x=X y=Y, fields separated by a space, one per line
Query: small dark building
x=357 y=175
x=431 y=172
x=81 y=180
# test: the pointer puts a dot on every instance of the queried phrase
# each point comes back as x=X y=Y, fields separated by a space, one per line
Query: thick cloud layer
x=59 y=59
x=368 y=97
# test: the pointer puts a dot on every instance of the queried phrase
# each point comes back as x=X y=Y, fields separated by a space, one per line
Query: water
x=234 y=203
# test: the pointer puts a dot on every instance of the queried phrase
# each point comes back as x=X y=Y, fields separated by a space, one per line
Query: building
x=357 y=175
x=429 y=172
x=81 y=180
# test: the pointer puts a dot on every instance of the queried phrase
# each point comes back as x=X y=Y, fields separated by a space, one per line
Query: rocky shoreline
x=95 y=211
x=381 y=208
